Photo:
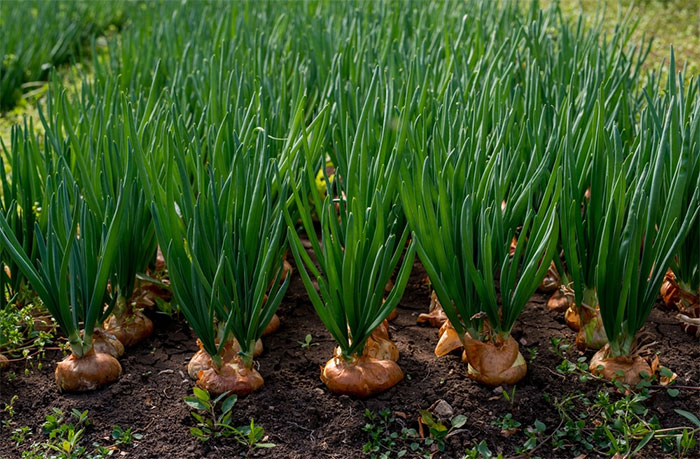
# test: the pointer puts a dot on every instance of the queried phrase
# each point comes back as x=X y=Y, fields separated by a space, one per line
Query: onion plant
x=74 y=259
x=100 y=132
x=644 y=223
x=64 y=27
x=21 y=203
x=581 y=215
x=362 y=239
x=222 y=238
x=681 y=288
x=453 y=200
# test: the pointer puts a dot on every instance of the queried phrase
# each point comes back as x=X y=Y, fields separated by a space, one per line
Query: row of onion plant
x=221 y=227
x=75 y=256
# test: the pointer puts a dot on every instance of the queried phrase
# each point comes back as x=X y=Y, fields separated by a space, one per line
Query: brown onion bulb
x=608 y=367
x=232 y=377
x=106 y=343
x=202 y=360
x=129 y=328
x=93 y=370
x=492 y=363
x=572 y=318
x=4 y=362
x=272 y=326
x=360 y=377
x=559 y=302
x=550 y=282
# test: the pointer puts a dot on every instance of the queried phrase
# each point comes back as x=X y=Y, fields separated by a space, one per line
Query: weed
x=212 y=425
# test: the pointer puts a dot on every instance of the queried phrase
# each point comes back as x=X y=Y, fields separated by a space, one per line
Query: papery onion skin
x=232 y=377
x=550 y=282
x=272 y=326
x=379 y=345
x=559 y=302
x=670 y=292
x=106 y=343
x=494 y=364
x=436 y=315
x=4 y=362
x=591 y=334
x=572 y=318
x=608 y=367
x=448 y=340
x=201 y=360
x=361 y=377
x=129 y=328
x=92 y=371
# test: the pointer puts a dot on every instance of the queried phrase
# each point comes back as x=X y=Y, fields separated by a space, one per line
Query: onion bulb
x=272 y=326
x=632 y=366
x=494 y=363
x=106 y=343
x=360 y=377
x=202 y=360
x=436 y=315
x=130 y=327
x=232 y=377
x=559 y=302
x=89 y=372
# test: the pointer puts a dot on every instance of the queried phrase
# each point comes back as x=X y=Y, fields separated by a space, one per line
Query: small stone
x=443 y=409
x=498 y=390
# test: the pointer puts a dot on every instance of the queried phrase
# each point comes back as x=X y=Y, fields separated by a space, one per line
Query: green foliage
x=63 y=27
x=125 y=437
x=388 y=435
x=363 y=233
x=75 y=258
x=65 y=438
x=223 y=240
x=213 y=420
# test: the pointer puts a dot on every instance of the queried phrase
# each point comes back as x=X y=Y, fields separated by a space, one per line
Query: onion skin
x=232 y=377
x=287 y=269
x=129 y=328
x=201 y=360
x=436 y=316
x=361 y=377
x=4 y=362
x=92 y=371
x=106 y=343
x=272 y=326
x=607 y=367
x=572 y=318
x=448 y=340
x=379 y=345
x=551 y=280
x=494 y=364
x=591 y=334
x=160 y=261
x=559 y=302
x=670 y=292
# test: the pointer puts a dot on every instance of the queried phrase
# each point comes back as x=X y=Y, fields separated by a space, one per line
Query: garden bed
x=303 y=419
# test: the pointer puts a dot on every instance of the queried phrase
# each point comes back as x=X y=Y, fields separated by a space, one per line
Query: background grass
x=668 y=22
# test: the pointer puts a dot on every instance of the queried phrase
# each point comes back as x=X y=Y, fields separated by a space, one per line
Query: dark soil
x=300 y=415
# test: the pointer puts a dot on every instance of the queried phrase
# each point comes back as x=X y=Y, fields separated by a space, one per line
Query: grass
x=668 y=22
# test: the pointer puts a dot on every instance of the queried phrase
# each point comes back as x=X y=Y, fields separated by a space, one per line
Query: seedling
x=214 y=420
